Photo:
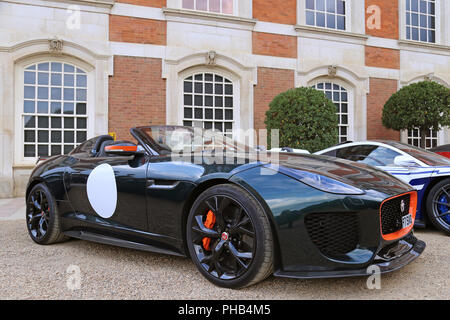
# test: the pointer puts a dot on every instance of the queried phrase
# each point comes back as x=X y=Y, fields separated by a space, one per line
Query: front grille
x=391 y=214
x=333 y=233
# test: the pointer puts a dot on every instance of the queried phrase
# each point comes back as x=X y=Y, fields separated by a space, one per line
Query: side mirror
x=404 y=161
x=124 y=150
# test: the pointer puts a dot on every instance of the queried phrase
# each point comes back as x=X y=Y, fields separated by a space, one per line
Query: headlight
x=321 y=182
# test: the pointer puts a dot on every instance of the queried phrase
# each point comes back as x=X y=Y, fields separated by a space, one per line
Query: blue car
x=427 y=172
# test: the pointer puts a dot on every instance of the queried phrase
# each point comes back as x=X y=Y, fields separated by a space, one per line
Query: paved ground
x=29 y=271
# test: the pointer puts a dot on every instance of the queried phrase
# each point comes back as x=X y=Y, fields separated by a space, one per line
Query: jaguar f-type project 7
x=239 y=217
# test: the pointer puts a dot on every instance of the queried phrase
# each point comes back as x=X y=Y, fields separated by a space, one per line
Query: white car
x=427 y=172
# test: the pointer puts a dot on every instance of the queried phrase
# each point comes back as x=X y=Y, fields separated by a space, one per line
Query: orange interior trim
x=412 y=211
x=121 y=148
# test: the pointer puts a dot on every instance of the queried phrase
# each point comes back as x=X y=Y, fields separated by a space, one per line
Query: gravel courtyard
x=30 y=271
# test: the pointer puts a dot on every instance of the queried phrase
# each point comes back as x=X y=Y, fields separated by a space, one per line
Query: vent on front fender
x=333 y=233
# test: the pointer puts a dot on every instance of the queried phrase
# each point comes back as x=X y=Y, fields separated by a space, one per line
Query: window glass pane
x=42 y=122
x=29 y=121
x=30 y=136
x=56 y=93
x=56 y=122
x=30 y=77
x=69 y=137
x=69 y=94
x=188 y=4
x=340 y=7
x=331 y=6
x=331 y=22
x=56 y=79
x=201 y=5
x=29 y=151
x=69 y=80
x=81 y=80
x=320 y=19
x=214 y=5
x=81 y=108
x=320 y=5
x=29 y=92
x=28 y=106
x=310 y=4
x=68 y=108
x=43 y=78
x=341 y=22
x=69 y=68
x=81 y=123
x=227 y=6
x=43 y=66
x=310 y=18
x=42 y=136
x=81 y=95
x=56 y=66
x=56 y=150
x=42 y=107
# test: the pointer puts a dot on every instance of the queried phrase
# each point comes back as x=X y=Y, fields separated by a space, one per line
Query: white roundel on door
x=102 y=190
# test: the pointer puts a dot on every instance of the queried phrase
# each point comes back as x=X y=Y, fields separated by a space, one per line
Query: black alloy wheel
x=42 y=217
x=233 y=250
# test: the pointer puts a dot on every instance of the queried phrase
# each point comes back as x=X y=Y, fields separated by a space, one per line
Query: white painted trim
x=383 y=43
x=138 y=50
x=383 y=73
x=85 y=6
x=275 y=28
x=135 y=11
x=275 y=62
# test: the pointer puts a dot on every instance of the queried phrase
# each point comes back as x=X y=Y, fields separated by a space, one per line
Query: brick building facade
x=71 y=70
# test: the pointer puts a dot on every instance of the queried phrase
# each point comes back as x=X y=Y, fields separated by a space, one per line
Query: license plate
x=407 y=221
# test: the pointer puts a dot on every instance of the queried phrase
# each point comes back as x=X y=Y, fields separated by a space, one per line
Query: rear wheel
x=42 y=216
x=229 y=237
x=438 y=206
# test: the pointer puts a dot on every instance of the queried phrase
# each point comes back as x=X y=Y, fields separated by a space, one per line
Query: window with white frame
x=208 y=102
x=421 y=20
x=340 y=98
x=54 y=117
x=216 y=6
x=431 y=140
x=326 y=13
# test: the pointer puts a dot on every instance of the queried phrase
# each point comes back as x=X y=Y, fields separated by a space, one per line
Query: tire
x=42 y=215
x=438 y=203
x=241 y=247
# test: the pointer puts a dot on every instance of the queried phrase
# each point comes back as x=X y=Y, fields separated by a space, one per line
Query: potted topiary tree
x=424 y=105
x=305 y=118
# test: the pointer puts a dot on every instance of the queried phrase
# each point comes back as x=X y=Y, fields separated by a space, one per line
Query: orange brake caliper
x=209 y=223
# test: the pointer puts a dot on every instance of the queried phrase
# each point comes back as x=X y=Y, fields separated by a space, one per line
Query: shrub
x=424 y=105
x=306 y=119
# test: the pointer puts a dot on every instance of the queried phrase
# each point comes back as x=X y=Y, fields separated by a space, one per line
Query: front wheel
x=229 y=237
x=42 y=216
x=438 y=206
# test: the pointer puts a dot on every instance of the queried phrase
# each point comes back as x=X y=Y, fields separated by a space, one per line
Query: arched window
x=208 y=102
x=340 y=97
x=54 y=108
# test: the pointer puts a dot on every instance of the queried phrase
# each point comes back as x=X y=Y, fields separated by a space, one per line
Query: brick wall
x=269 y=44
x=382 y=57
x=148 y=3
x=389 y=19
x=380 y=91
x=276 y=11
x=137 y=94
x=271 y=82
x=137 y=30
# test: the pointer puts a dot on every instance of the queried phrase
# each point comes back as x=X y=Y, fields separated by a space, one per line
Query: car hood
x=356 y=174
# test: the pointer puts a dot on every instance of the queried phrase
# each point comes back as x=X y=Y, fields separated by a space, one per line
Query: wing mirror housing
x=405 y=161
x=125 y=150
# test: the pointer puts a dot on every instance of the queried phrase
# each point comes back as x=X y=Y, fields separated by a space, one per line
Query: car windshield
x=427 y=157
x=173 y=139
